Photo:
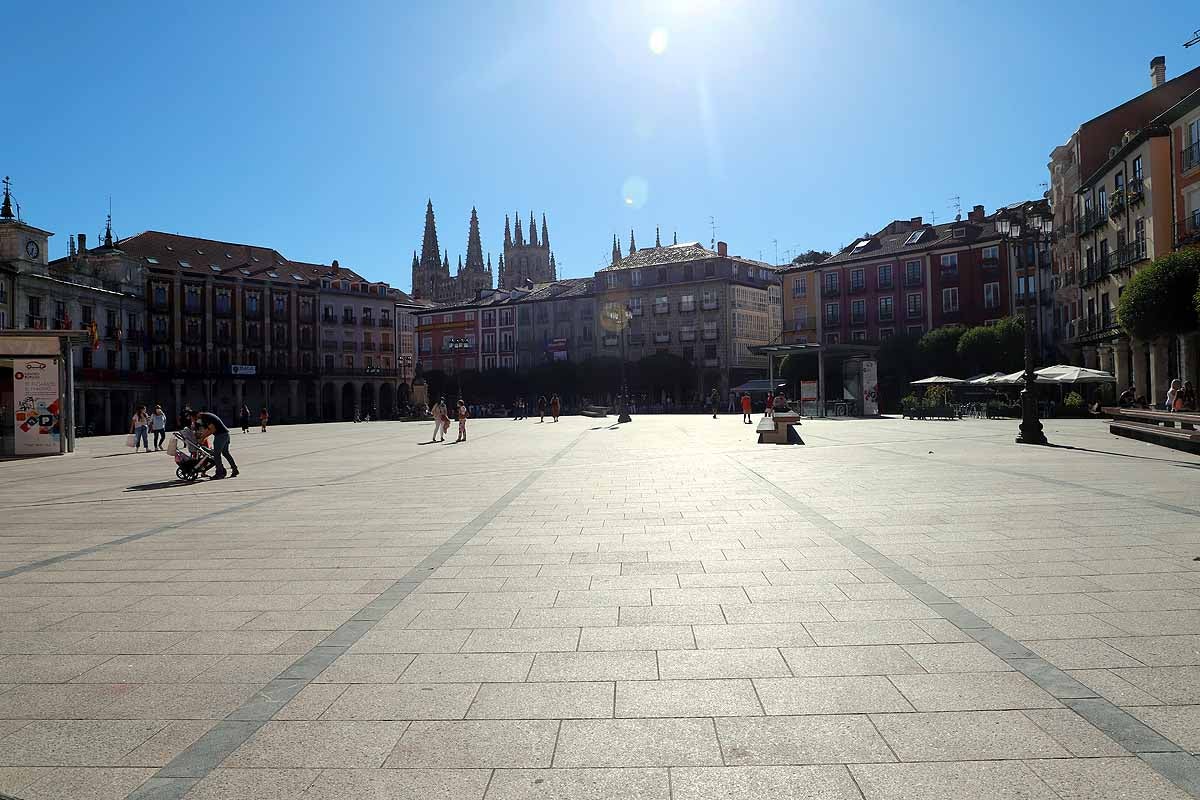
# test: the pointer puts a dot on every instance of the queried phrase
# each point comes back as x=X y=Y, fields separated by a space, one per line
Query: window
x=709 y=300
x=635 y=306
x=858 y=312
x=662 y=275
x=1139 y=229
x=950 y=264
x=960 y=233
x=831 y=281
x=635 y=277
x=858 y=336
x=914 y=330
x=833 y=313
x=710 y=269
x=1102 y=200
x=886 y=333
x=252 y=303
x=914 y=237
x=687 y=303
x=991 y=255
x=831 y=338
x=427 y=344
x=913 y=301
x=1118 y=183
x=489 y=342
x=1137 y=168
x=611 y=280
x=662 y=304
x=857 y=280
x=885 y=276
x=912 y=273
x=886 y=309
x=280 y=303
x=800 y=286
x=160 y=294
x=950 y=299
x=224 y=303
x=991 y=295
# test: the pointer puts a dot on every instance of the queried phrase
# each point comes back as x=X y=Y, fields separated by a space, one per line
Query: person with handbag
x=139 y=425
x=158 y=425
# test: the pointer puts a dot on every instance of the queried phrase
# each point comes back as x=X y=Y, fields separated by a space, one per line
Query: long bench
x=779 y=428
x=1166 y=428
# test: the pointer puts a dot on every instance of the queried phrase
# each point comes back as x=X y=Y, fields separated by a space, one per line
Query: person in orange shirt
x=746 y=406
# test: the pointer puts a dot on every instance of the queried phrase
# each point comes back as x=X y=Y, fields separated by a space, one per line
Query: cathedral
x=522 y=262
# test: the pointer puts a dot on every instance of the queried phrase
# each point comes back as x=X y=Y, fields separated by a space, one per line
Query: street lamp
x=622 y=318
x=459 y=343
x=1011 y=231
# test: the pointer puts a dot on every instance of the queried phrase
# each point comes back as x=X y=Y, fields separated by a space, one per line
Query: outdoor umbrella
x=1077 y=375
x=1018 y=378
x=985 y=380
x=936 y=380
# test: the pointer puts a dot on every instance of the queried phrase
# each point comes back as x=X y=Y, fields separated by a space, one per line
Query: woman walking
x=138 y=427
x=158 y=424
x=440 y=423
x=541 y=408
x=555 y=406
x=244 y=418
x=263 y=416
x=462 y=422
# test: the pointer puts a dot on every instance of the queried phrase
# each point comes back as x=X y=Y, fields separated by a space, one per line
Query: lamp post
x=626 y=317
x=1010 y=230
x=457 y=344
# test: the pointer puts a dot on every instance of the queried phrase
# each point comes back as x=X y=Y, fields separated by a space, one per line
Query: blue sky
x=321 y=129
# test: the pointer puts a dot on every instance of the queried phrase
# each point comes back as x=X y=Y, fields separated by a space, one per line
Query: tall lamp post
x=1036 y=231
x=455 y=345
x=626 y=318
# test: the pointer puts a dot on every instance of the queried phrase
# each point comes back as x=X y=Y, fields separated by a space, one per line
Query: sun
x=659 y=39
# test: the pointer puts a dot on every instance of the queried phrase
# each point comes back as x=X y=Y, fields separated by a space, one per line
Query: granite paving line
x=191 y=766
x=1168 y=758
x=133 y=537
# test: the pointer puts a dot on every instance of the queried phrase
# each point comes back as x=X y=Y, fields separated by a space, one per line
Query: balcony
x=687 y=335
x=368 y=322
x=385 y=322
x=686 y=307
x=662 y=338
x=34 y=322
x=711 y=305
x=948 y=274
x=911 y=281
x=858 y=287
x=914 y=313
x=329 y=344
x=349 y=347
x=1187 y=230
x=990 y=262
x=886 y=283
x=349 y=319
x=831 y=291
x=1135 y=191
x=1189 y=158
x=886 y=316
x=709 y=334
x=662 y=308
x=368 y=347
x=1130 y=253
x=1116 y=204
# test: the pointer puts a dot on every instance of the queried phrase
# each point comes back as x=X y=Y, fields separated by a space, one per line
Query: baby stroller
x=192 y=459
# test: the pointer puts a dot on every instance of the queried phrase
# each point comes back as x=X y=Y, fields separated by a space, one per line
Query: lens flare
x=659 y=39
x=635 y=191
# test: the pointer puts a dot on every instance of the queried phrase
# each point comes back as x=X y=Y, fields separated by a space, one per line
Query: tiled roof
x=676 y=254
x=564 y=289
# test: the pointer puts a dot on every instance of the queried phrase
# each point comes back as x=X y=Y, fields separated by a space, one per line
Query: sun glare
x=659 y=39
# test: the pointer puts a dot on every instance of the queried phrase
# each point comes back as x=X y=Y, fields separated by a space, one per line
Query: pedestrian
x=746 y=406
x=733 y=401
x=780 y=404
x=440 y=423
x=212 y=425
x=1187 y=397
x=555 y=406
x=139 y=424
x=714 y=400
x=263 y=416
x=1173 y=400
x=462 y=422
x=244 y=418
x=541 y=408
x=1128 y=397
x=158 y=424
x=769 y=409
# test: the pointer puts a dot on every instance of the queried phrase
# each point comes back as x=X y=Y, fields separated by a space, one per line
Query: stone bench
x=1166 y=428
x=779 y=429
x=594 y=411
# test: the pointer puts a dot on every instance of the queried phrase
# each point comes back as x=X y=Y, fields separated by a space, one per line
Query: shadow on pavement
x=148 y=487
x=1175 y=461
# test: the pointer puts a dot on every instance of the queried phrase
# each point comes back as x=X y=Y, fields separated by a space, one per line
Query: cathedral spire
x=429 y=245
x=507 y=233
x=657 y=241
x=616 y=253
x=518 y=235
x=533 y=242
x=632 y=245
x=545 y=233
x=446 y=263
x=553 y=267
x=474 y=245
x=489 y=262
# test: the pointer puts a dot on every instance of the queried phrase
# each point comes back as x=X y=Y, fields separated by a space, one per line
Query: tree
x=979 y=349
x=660 y=372
x=1160 y=300
x=939 y=350
x=900 y=363
x=812 y=257
x=1010 y=333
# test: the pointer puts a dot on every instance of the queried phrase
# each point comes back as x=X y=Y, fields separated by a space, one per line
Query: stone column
x=1187 y=358
x=1141 y=380
x=178 y=384
x=337 y=402
x=1120 y=357
x=1106 y=358
x=240 y=390
x=267 y=395
x=107 y=427
x=1159 y=379
x=1089 y=357
x=358 y=398
x=81 y=410
x=293 y=400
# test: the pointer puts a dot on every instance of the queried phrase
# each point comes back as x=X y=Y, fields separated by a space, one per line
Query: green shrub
x=1073 y=402
x=1161 y=299
x=938 y=396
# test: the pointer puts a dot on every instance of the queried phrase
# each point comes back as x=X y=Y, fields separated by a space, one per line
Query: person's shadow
x=149 y=487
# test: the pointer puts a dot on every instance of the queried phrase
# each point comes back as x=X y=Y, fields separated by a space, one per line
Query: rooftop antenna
x=712 y=223
x=776 y=241
x=932 y=217
x=956 y=204
x=1194 y=40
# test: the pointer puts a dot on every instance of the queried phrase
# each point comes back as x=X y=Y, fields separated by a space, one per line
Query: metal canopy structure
x=843 y=352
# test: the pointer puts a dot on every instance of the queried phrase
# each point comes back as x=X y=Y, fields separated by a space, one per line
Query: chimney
x=82 y=243
x=915 y=222
x=335 y=266
x=976 y=214
x=1158 y=71
x=722 y=249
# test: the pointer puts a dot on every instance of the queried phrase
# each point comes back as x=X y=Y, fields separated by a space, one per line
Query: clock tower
x=22 y=250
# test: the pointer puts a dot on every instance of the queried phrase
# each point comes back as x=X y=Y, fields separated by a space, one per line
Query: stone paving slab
x=665 y=610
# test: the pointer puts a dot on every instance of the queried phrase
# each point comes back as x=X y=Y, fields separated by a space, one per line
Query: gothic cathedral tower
x=526 y=261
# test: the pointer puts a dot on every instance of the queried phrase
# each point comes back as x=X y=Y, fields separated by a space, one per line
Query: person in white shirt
x=158 y=426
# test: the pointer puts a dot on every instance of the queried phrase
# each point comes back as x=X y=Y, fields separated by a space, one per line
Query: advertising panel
x=870 y=384
x=808 y=399
x=36 y=407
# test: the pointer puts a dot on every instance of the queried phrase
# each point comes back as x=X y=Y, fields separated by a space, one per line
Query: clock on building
x=32 y=250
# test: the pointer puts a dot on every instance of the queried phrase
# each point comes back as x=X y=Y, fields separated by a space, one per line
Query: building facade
x=526 y=262
x=431 y=278
x=557 y=322
x=686 y=300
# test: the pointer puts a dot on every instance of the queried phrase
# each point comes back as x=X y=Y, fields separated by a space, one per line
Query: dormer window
x=184 y=264
x=272 y=274
x=228 y=256
x=244 y=271
x=861 y=246
x=151 y=260
x=914 y=237
x=960 y=233
x=199 y=252
x=214 y=267
x=296 y=277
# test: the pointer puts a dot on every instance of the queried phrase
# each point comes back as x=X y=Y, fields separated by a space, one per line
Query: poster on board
x=870 y=384
x=808 y=398
x=36 y=407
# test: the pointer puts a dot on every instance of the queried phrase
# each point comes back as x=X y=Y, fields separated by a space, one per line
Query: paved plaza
x=899 y=610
